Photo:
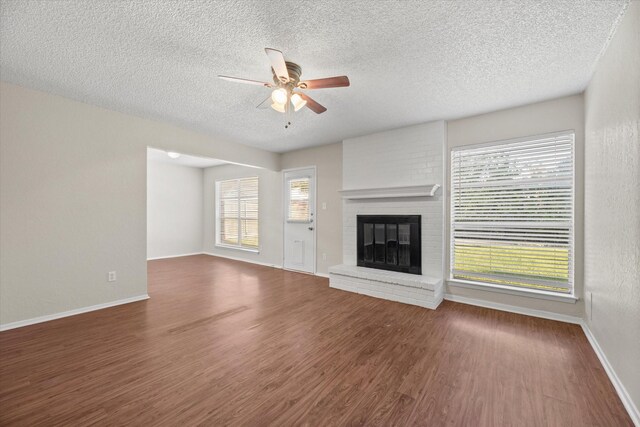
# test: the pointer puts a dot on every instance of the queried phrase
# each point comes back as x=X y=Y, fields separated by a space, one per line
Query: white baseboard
x=243 y=260
x=233 y=258
x=515 y=309
x=631 y=408
x=48 y=317
x=174 y=256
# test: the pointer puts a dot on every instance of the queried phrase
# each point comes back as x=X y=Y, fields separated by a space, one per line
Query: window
x=237 y=213
x=512 y=213
x=298 y=210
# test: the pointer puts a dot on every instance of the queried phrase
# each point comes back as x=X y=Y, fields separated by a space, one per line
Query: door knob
x=311 y=228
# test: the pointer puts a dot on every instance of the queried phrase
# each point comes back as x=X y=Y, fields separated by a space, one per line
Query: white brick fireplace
x=398 y=172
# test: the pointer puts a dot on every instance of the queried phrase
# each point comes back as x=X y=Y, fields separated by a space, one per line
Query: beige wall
x=612 y=203
x=174 y=209
x=73 y=200
x=544 y=117
x=270 y=212
x=328 y=161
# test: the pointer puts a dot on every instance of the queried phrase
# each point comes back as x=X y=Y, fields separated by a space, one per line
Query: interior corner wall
x=269 y=210
x=612 y=203
x=174 y=209
x=560 y=114
x=328 y=162
x=73 y=200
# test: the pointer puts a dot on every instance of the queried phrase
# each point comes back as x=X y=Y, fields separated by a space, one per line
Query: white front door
x=299 y=219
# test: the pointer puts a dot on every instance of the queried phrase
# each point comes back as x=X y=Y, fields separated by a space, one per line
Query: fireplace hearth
x=390 y=242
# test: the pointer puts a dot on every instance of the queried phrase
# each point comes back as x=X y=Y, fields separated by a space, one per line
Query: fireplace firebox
x=390 y=242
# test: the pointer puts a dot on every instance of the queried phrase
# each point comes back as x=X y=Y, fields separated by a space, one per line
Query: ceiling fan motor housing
x=295 y=71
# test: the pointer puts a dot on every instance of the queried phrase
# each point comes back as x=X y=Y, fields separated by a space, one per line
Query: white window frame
x=514 y=290
x=239 y=246
x=309 y=218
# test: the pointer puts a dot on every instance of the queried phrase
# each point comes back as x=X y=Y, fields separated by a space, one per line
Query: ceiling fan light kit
x=279 y=96
x=286 y=80
x=280 y=108
x=297 y=101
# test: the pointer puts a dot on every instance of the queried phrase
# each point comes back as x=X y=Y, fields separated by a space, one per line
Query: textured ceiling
x=156 y=155
x=408 y=61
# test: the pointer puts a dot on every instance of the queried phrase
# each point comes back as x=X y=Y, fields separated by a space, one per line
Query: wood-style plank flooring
x=223 y=342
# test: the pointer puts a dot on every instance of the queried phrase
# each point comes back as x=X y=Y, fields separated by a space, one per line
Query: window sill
x=530 y=293
x=238 y=248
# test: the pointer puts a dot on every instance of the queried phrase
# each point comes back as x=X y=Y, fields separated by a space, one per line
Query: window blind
x=237 y=202
x=298 y=209
x=512 y=209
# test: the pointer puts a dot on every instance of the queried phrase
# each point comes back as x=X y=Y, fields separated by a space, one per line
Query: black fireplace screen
x=390 y=242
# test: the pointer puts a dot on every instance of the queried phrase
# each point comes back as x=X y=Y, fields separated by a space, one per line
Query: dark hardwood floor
x=222 y=342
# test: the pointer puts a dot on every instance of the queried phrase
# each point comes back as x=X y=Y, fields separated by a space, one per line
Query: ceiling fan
x=287 y=85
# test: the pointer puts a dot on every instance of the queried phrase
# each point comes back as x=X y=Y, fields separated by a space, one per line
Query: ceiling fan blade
x=338 y=81
x=312 y=105
x=247 y=81
x=277 y=63
x=265 y=104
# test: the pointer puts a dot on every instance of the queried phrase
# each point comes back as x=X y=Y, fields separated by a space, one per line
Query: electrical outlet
x=324 y=256
x=324 y=206
x=111 y=276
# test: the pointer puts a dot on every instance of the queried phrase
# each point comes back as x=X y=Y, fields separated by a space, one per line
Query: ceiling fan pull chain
x=288 y=113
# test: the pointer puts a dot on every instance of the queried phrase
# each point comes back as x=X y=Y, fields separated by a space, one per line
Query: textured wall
x=270 y=211
x=328 y=162
x=174 y=209
x=534 y=119
x=73 y=200
x=612 y=202
x=407 y=156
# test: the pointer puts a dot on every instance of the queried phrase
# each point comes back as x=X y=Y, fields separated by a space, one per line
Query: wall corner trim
x=174 y=256
x=49 y=317
x=515 y=309
x=243 y=260
x=631 y=408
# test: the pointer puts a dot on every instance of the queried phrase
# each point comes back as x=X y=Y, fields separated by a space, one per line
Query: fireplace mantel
x=427 y=190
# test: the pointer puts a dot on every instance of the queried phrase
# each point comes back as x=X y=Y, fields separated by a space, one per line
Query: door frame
x=315 y=216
